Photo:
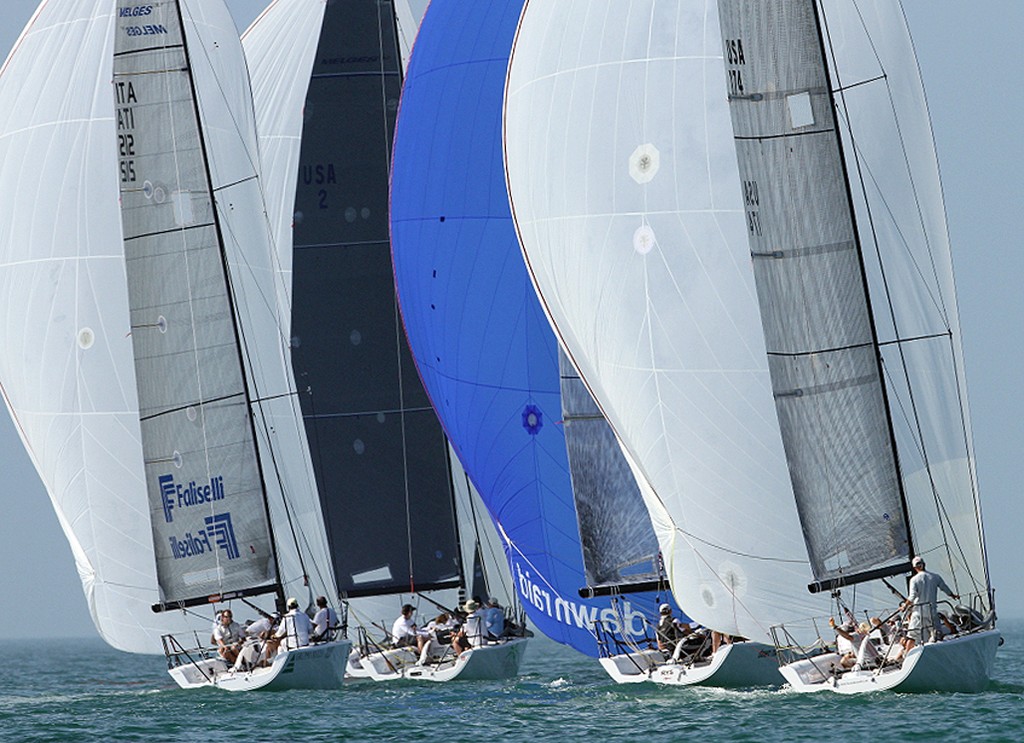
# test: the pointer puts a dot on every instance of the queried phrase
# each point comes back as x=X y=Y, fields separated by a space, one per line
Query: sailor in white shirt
x=295 y=627
x=923 y=599
x=325 y=620
x=404 y=631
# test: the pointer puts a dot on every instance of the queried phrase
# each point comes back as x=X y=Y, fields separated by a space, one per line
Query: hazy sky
x=967 y=62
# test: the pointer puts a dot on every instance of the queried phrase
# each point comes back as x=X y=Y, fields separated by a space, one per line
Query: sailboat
x=403 y=526
x=854 y=277
x=580 y=542
x=221 y=443
x=633 y=233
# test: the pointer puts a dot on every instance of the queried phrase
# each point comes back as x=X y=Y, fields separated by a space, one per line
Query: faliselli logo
x=219 y=533
x=175 y=495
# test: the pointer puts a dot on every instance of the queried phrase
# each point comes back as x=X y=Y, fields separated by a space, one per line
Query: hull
x=314 y=667
x=492 y=662
x=632 y=668
x=740 y=664
x=962 y=664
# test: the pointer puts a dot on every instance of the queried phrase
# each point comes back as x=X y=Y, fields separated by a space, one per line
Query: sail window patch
x=800 y=112
x=644 y=163
x=359 y=446
x=837 y=562
x=533 y=419
x=377 y=575
x=355 y=337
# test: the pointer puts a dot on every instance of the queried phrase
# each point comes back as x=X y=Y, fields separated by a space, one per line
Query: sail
x=859 y=157
x=625 y=194
x=620 y=548
x=66 y=373
x=215 y=395
x=822 y=352
x=379 y=454
x=211 y=528
x=479 y=336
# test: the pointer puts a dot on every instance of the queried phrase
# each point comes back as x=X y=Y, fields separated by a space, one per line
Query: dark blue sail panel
x=482 y=344
x=379 y=454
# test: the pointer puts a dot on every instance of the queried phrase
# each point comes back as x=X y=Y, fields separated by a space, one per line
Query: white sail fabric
x=280 y=46
x=66 y=370
x=624 y=186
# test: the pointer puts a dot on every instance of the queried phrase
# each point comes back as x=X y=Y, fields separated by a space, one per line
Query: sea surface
x=81 y=690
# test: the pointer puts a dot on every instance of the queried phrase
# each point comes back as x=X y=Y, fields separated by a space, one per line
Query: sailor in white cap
x=922 y=599
x=295 y=627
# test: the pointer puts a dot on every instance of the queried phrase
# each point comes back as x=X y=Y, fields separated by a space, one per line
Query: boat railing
x=964 y=616
x=625 y=645
x=178 y=655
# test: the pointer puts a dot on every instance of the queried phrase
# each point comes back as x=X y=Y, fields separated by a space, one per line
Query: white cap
x=918 y=560
x=665 y=608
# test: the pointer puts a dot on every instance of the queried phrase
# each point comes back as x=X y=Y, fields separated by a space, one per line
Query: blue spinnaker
x=481 y=341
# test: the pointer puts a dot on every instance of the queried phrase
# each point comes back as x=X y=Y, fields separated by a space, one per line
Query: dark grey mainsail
x=620 y=549
x=380 y=456
x=823 y=352
x=210 y=523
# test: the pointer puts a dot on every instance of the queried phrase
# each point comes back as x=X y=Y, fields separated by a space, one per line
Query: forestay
x=625 y=191
x=483 y=347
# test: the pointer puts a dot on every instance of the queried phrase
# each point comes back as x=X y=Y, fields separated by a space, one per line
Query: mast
x=822 y=343
x=211 y=523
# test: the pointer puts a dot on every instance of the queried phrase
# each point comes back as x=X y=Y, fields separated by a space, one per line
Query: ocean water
x=81 y=690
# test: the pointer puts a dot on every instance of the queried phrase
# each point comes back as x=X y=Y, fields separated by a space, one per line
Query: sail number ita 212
x=126 y=99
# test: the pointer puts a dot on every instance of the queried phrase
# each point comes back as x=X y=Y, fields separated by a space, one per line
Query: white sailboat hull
x=739 y=664
x=491 y=662
x=962 y=664
x=632 y=668
x=319 y=666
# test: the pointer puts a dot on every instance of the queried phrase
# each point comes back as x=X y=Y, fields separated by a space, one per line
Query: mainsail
x=482 y=344
x=846 y=227
x=625 y=194
x=382 y=461
x=214 y=395
x=620 y=549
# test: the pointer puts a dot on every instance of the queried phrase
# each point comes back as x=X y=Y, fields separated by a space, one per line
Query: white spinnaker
x=626 y=195
x=226 y=110
x=66 y=368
